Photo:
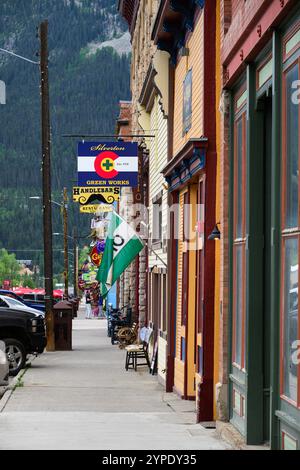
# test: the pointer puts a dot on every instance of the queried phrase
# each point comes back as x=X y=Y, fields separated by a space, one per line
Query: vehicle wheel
x=16 y=355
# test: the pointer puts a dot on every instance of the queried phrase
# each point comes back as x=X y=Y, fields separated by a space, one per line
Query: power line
x=30 y=250
x=112 y=136
x=19 y=56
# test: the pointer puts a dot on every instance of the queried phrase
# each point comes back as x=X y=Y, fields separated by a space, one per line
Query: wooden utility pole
x=46 y=173
x=66 y=257
x=75 y=251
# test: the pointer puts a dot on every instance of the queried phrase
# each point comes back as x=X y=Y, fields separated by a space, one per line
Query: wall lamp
x=215 y=234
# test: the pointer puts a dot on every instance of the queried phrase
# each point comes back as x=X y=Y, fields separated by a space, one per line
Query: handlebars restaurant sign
x=95 y=208
x=108 y=164
x=95 y=194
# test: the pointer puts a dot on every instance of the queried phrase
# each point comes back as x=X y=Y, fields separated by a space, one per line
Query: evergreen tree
x=84 y=95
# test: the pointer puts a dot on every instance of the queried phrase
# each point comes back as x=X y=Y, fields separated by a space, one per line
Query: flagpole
x=157 y=256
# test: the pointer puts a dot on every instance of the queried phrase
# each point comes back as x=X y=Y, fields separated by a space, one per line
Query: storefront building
x=125 y=285
x=186 y=30
x=149 y=84
x=153 y=115
x=260 y=220
x=138 y=15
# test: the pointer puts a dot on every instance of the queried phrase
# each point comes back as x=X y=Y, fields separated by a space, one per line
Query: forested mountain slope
x=84 y=91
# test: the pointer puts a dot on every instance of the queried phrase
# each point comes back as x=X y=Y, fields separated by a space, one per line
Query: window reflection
x=239 y=182
x=292 y=149
x=290 y=316
x=238 y=303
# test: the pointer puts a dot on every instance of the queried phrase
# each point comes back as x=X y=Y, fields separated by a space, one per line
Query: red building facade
x=260 y=220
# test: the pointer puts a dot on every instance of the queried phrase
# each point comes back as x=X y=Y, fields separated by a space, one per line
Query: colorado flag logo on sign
x=107 y=164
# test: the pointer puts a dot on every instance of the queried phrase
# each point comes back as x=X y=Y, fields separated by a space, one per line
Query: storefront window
x=292 y=150
x=290 y=316
x=239 y=227
x=238 y=303
x=290 y=234
x=185 y=258
x=239 y=179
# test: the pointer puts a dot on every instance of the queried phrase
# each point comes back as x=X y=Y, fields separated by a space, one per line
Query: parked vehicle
x=29 y=303
x=35 y=299
x=23 y=333
x=9 y=302
x=4 y=366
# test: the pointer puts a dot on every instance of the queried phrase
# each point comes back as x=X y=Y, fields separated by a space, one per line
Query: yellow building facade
x=191 y=174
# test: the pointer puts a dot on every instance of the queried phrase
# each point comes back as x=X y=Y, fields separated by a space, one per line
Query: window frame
x=185 y=257
x=292 y=32
x=157 y=208
x=200 y=258
x=289 y=61
x=240 y=114
x=187 y=118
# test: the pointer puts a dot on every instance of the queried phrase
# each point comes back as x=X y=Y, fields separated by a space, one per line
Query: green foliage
x=84 y=255
x=27 y=281
x=9 y=267
x=84 y=95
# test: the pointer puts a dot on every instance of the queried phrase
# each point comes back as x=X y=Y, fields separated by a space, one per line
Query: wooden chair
x=134 y=352
x=127 y=335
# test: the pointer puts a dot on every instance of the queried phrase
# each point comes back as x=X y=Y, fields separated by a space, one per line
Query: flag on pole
x=122 y=246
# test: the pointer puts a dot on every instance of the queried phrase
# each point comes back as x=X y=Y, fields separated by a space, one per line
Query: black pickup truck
x=23 y=333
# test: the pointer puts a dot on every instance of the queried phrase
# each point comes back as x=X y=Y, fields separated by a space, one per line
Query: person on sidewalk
x=101 y=314
x=88 y=307
x=94 y=301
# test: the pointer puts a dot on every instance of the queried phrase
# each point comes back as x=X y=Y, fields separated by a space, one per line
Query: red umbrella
x=57 y=293
x=21 y=290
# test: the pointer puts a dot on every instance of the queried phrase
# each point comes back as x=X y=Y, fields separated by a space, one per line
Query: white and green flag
x=121 y=247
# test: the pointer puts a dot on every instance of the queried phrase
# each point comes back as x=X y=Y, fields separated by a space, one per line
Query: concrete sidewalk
x=84 y=399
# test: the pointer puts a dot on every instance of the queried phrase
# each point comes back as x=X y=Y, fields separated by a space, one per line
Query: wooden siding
x=192 y=294
x=179 y=365
x=179 y=278
x=179 y=376
x=218 y=204
x=158 y=159
x=193 y=61
x=162 y=358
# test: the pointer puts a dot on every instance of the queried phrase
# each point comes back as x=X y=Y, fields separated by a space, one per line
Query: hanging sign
x=108 y=164
x=95 y=256
x=92 y=195
x=95 y=208
x=89 y=277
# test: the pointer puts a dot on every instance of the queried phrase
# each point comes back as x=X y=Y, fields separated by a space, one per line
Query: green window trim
x=292 y=42
x=264 y=73
x=241 y=100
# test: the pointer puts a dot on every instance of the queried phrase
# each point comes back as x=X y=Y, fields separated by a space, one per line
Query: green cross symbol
x=107 y=165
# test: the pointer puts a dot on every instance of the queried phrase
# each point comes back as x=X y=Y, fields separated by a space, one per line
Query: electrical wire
x=19 y=56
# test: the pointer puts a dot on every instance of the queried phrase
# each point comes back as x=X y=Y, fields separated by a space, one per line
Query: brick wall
x=243 y=14
x=142 y=53
x=226 y=14
x=236 y=5
x=124 y=127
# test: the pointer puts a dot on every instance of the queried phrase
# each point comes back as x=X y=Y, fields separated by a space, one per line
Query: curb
x=9 y=390
x=228 y=433
x=11 y=387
